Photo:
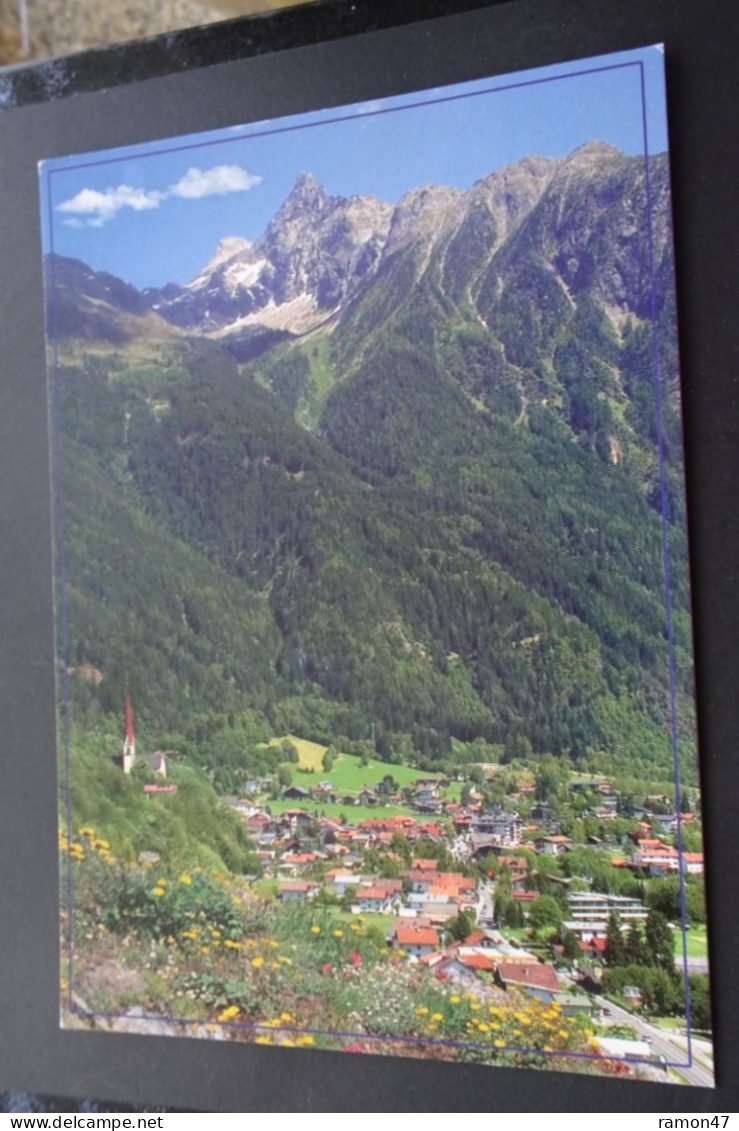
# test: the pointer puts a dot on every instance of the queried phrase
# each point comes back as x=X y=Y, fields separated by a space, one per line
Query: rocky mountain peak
x=228 y=248
x=420 y=215
x=306 y=196
x=511 y=192
x=588 y=155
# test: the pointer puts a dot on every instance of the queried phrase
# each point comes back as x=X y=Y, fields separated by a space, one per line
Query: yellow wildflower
x=316 y=930
x=499 y=1044
x=257 y=962
x=437 y=1016
x=339 y=934
x=263 y=1041
x=229 y=1013
x=455 y=999
x=158 y=891
x=185 y=879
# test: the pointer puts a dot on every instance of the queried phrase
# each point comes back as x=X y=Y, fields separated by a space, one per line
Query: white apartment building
x=591 y=910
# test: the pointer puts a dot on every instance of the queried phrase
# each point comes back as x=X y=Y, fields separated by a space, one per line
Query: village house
x=505 y=828
x=340 y=879
x=293 y=819
x=296 y=793
x=593 y=949
x=420 y=880
x=436 y=912
x=538 y=978
x=467 y=966
x=427 y=799
x=665 y=822
x=655 y=857
x=416 y=941
x=374 y=899
x=692 y=863
x=297 y=891
x=602 y=813
x=323 y=792
x=573 y=1004
x=298 y=861
x=423 y=865
x=552 y=845
x=243 y=806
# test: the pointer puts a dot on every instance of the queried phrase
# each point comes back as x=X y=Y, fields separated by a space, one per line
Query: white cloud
x=102 y=206
x=91 y=208
x=218 y=181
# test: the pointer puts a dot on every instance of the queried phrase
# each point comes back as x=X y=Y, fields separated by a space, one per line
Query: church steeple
x=129 y=742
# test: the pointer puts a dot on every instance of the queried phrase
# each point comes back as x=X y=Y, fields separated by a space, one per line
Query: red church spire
x=129 y=721
x=129 y=742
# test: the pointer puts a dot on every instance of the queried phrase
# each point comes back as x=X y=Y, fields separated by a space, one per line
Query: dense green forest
x=440 y=523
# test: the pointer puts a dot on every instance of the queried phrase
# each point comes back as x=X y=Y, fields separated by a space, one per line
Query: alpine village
x=366 y=667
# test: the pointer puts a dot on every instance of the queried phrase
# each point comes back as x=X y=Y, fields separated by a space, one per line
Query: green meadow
x=353 y=813
x=347 y=775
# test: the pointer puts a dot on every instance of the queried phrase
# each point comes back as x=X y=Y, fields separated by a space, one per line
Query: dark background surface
x=322 y=55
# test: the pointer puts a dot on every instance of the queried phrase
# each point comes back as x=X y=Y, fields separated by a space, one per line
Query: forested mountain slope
x=407 y=480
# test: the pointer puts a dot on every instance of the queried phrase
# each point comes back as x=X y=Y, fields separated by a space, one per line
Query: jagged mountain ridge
x=321 y=253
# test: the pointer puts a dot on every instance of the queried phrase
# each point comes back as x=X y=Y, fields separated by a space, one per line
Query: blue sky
x=154 y=213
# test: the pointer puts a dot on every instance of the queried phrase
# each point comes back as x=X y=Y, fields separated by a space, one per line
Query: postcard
x=375 y=674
